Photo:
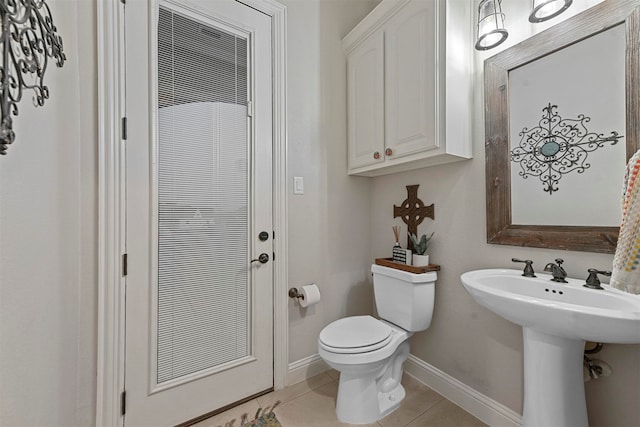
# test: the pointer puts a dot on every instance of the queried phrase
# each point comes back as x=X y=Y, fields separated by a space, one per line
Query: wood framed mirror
x=598 y=25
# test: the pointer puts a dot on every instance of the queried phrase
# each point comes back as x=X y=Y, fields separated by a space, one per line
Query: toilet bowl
x=370 y=372
x=369 y=352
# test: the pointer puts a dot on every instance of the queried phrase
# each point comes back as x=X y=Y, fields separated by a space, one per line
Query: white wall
x=465 y=340
x=48 y=241
x=329 y=226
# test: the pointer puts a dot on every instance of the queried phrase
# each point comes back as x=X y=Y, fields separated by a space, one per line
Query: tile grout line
x=306 y=392
x=312 y=389
x=442 y=398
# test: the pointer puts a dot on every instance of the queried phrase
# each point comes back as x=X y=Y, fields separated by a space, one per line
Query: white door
x=199 y=317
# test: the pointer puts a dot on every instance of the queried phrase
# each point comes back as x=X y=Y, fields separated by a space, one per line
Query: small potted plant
x=420 y=259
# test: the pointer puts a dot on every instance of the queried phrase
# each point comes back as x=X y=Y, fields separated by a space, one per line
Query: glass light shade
x=491 y=31
x=544 y=10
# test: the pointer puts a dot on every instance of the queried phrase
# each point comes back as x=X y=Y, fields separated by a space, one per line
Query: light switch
x=298 y=185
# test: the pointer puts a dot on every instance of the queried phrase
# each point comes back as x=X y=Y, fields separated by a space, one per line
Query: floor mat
x=264 y=420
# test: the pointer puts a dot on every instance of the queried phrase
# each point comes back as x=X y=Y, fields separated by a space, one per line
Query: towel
x=626 y=262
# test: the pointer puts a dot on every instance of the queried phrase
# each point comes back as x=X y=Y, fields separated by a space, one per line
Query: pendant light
x=544 y=10
x=491 y=31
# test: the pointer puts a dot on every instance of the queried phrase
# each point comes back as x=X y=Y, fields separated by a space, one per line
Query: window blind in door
x=202 y=182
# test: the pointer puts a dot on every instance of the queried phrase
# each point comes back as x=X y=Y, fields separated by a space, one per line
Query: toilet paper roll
x=310 y=295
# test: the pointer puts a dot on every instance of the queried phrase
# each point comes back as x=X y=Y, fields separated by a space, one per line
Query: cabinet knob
x=388 y=151
x=376 y=155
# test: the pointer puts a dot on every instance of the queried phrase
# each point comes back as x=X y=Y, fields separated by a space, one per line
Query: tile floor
x=311 y=403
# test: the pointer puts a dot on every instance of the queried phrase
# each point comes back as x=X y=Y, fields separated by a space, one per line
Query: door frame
x=111 y=203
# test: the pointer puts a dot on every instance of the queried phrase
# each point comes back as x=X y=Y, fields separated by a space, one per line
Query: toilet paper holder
x=293 y=293
x=307 y=295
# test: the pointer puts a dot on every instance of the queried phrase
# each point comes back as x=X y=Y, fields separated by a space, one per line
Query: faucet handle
x=593 y=282
x=528 y=268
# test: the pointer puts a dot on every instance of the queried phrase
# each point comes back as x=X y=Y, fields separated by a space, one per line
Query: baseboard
x=305 y=368
x=477 y=404
x=480 y=406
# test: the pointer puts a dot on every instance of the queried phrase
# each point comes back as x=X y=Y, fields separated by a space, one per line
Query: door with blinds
x=199 y=319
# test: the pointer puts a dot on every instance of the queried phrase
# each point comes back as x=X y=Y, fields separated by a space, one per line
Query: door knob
x=388 y=152
x=262 y=259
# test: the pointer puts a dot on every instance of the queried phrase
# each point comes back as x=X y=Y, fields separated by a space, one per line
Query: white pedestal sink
x=557 y=319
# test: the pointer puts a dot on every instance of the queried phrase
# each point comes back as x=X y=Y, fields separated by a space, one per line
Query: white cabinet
x=365 y=74
x=409 y=86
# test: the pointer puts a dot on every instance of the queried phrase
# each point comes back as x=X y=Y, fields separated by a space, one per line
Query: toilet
x=369 y=352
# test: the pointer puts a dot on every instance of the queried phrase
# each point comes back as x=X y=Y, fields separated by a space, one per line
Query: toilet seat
x=357 y=334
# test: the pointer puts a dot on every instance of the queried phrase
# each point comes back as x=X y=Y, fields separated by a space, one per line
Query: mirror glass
x=567 y=147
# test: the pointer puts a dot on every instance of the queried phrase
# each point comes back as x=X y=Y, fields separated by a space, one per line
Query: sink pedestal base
x=553 y=381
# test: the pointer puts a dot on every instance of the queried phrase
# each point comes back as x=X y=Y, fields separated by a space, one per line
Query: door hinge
x=274 y=256
x=123 y=1
x=274 y=234
x=124 y=128
x=123 y=402
x=249 y=108
x=125 y=264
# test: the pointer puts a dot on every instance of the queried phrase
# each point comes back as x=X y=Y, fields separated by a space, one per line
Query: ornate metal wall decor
x=27 y=42
x=556 y=147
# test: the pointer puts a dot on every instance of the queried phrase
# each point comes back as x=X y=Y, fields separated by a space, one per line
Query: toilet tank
x=404 y=299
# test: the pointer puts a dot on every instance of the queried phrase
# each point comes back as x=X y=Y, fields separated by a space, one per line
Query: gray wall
x=48 y=234
x=48 y=214
x=465 y=340
x=329 y=226
x=48 y=241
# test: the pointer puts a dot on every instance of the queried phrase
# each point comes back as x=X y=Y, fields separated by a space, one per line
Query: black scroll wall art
x=557 y=147
x=28 y=40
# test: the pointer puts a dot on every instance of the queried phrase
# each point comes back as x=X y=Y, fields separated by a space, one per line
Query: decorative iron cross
x=413 y=212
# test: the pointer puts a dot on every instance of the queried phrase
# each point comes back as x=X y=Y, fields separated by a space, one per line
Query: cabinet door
x=411 y=80
x=365 y=102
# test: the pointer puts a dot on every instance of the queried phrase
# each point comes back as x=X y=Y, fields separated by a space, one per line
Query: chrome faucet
x=556 y=270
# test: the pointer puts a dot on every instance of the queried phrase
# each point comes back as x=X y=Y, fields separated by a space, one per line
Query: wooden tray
x=389 y=262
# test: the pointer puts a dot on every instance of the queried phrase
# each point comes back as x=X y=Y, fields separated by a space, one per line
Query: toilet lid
x=356 y=334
